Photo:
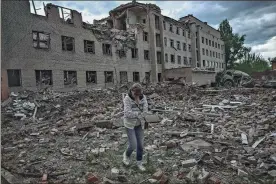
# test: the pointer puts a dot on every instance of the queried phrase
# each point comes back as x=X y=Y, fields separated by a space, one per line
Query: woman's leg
x=132 y=143
x=139 y=135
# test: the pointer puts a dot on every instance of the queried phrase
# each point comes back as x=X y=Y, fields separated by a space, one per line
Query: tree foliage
x=252 y=62
x=233 y=44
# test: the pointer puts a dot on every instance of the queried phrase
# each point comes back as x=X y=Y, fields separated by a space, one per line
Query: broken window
x=43 y=77
x=121 y=53
x=212 y=43
x=189 y=34
x=219 y=55
x=203 y=51
x=196 y=42
x=183 y=33
x=66 y=15
x=123 y=77
x=147 y=77
x=177 y=30
x=165 y=41
x=203 y=63
x=159 y=77
x=158 y=40
x=68 y=43
x=164 y=25
x=108 y=77
x=171 y=28
x=14 y=78
x=134 y=52
x=145 y=36
x=197 y=55
x=185 y=60
x=197 y=64
x=207 y=52
x=222 y=65
x=190 y=48
x=210 y=53
x=219 y=46
x=202 y=39
x=172 y=58
x=157 y=22
x=184 y=47
x=144 y=21
x=179 y=59
x=216 y=55
x=196 y=34
x=206 y=41
x=107 y=49
x=89 y=46
x=178 y=45
x=216 y=44
x=41 y=40
x=213 y=53
x=166 y=57
x=158 y=57
x=146 y=54
x=172 y=43
x=91 y=77
x=190 y=61
x=207 y=63
x=70 y=78
x=136 y=77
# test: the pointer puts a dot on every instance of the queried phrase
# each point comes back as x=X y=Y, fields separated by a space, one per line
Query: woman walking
x=135 y=108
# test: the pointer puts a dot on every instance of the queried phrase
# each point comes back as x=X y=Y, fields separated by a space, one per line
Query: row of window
x=45 y=77
x=178 y=45
x=212 y=54
x=212 y=64
x=211 y=43
x=172 y=59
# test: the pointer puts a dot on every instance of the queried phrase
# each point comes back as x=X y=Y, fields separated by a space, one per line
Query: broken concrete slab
x=188 y=163
x=244 y=138
x=242 y=173
x=199 y=143
x=152 y=118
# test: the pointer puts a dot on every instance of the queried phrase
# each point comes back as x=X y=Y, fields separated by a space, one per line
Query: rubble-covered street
x=204 y=135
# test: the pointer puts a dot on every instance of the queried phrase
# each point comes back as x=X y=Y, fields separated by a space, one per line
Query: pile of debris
x=203 y=136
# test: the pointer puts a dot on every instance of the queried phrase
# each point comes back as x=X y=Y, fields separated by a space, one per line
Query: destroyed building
x=135 y=43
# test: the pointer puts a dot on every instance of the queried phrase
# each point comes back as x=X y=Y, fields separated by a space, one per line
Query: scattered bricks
x=152 y=180
x=218 y=160
x=189 y=163
x=164 y=180
x=92 y=179
x=158 y=175
x=122 y=178
x=272 y=173
x=171 y=144
x=44 y=179
x=108 y=181
x=242 y=173
x=213 y=180
x=203 y=176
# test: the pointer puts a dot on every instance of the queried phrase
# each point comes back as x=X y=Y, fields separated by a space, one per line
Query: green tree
x=252 y=62
x=233 y=44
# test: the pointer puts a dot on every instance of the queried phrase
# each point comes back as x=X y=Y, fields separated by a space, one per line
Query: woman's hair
x=136 y=86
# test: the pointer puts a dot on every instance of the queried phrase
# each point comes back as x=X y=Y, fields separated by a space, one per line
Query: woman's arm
x=146 y=105
x=128 y=110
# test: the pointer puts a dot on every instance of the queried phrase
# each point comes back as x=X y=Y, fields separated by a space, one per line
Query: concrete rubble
x=203 y=136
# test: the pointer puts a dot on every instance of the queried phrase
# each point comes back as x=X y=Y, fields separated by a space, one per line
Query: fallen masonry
x=196 y=136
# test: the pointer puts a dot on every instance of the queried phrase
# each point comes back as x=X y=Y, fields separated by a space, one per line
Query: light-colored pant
x=135 y=141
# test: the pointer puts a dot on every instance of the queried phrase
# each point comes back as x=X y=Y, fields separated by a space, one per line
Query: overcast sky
x=255 y=19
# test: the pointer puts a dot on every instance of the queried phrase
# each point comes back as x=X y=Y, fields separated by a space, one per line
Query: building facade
x=136 y=43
